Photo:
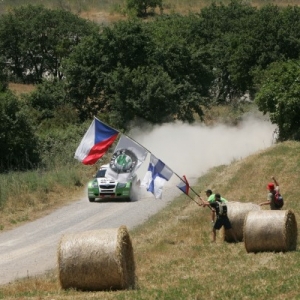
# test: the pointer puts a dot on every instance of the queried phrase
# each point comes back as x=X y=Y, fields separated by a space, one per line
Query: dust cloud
x=192 y=150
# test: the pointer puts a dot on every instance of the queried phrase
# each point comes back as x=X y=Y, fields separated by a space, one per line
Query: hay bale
x=237 y=211
x=270 y=230
x=96 y=260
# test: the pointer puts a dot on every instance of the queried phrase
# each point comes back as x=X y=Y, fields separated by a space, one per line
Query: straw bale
x=237 y=212
x=96 y=260
x=270 y=230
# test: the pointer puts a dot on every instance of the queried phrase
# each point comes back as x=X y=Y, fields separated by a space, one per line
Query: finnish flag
x=158 y=173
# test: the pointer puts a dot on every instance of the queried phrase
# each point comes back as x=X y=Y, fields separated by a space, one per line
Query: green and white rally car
x=102 y=187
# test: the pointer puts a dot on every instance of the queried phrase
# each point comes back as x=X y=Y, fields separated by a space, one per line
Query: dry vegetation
x=175 y=258
x=19 y=88
x=28 y=207
x=37 y=193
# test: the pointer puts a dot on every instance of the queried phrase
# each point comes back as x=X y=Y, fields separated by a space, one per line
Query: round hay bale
x=96 y=260
x=270 y=230
x=237 y=212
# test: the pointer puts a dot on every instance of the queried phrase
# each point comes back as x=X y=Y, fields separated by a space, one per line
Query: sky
x=192 y=149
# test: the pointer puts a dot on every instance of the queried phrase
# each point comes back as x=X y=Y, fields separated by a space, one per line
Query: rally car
x=102 y=187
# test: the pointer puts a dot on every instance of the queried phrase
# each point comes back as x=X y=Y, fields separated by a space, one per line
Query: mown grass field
x=175 y=258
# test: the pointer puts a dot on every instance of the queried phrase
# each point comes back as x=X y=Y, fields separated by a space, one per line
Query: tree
x=143 y=93
x=115 y=71
x=289 y=32
x=184 y=61
x=125 y=44
x=33 y=40
x=140 y=7
x=49 y=105
x=224 y=33
x=18 y=143
x=3 y=76
x=279 y=95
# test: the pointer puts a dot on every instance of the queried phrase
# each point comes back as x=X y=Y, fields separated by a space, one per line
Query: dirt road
x=32 y=249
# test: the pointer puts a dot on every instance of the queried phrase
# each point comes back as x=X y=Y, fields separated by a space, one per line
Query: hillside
x=175 y=258
x=105 y=12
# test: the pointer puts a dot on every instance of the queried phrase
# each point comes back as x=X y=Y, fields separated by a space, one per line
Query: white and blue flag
x=126 y=159
x=158 y=173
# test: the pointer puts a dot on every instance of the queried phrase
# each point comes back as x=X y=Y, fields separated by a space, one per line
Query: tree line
x=168 y=68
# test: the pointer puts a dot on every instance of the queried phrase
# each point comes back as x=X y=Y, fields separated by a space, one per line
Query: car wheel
x=91 y=199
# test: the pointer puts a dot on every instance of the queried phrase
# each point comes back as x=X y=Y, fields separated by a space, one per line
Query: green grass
x=175 y=258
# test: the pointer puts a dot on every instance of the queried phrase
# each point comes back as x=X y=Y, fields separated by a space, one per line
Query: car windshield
x=101 y=173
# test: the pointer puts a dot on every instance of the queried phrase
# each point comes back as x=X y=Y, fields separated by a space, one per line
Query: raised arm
x=275 y=181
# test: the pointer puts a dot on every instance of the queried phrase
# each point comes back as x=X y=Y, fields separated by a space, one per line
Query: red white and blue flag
x=95 y=143
x=184 y=185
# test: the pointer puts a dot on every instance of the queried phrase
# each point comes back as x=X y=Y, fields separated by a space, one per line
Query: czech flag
x=95 y=142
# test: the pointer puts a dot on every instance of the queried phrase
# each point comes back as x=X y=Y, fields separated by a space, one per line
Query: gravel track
x=31 y=249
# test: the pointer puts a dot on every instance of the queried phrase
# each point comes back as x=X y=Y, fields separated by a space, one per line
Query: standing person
x=273 y=188
x=222 y=219
x=211 y=199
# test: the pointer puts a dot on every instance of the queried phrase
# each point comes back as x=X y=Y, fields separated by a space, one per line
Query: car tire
x=91 y=199
x=128 y=199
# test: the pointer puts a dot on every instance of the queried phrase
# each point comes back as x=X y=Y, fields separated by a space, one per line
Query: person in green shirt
x=220 y=209
x=211 y=198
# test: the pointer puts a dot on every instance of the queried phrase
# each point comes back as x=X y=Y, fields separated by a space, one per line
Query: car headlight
x=121 y=185
x=94 y=184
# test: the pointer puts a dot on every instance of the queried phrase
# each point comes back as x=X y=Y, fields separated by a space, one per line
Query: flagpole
x=153 y=154
x=194 y=200
x=192 y=190
x=170 y=169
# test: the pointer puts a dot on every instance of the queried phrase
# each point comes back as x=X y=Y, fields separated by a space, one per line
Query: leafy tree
x=184 y=61
x=57 y=145
x=275 y=37
x=33 y=40
x=265 y=29
x=289 y=32
x=3 y=76
x=49 y=106
x=140 y=7
x=108 y=72
x=145 y=92
x=279 y=95
x=242 y=40
x=18 y=143
x=223 y=31
x=126 y=44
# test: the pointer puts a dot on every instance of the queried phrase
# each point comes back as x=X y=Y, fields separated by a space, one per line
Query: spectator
x=220 y=208
x=211 y=199
x=272 y=189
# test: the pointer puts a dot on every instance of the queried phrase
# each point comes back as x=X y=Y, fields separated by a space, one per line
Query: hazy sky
x=193 y=149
